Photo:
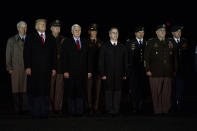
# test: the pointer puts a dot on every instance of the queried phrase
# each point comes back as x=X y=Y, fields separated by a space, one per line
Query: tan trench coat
x=14 y=61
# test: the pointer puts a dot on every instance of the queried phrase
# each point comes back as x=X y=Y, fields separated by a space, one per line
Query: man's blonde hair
x=39 y=20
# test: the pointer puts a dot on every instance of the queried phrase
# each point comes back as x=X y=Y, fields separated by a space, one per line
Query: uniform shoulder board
x=170 y=39
x=149 y=40
x=185 y=40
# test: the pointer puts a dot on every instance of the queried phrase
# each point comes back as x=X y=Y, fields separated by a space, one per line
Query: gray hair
x=20 y=23
x=112 y=29
x=72 y=28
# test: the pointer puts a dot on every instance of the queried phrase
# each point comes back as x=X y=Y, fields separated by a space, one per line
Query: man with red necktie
x=76 y=72
x=40 y=64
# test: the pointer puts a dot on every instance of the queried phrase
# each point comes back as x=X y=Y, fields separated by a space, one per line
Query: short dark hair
x=112 y=29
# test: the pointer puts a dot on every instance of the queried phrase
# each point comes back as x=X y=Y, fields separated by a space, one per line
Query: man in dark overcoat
x=113 y=63
x=76 y=71
x=40 y=64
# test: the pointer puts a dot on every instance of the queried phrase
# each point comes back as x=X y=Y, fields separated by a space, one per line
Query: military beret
x=139 y=28
x=93 y=27
x=160 y=26
x=176 y=28
x=55 y=23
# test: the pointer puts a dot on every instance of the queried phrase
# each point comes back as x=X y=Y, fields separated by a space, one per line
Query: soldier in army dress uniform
x=56 y=91
x=137 y=80
x=181 y=46
x=94 y=84
x=161 y=64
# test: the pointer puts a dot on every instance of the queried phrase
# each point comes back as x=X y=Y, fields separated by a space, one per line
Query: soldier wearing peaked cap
x=56 y=91
x=94 y=84
x=137 y=72
x=181 y=46
x=160 y=62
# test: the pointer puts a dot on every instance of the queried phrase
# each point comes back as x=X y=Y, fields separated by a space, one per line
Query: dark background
x=124 y=15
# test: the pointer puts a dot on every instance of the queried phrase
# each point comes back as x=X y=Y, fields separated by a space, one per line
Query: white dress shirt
x=44 y=35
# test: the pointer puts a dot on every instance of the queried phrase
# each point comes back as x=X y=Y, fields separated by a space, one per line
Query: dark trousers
x=75 y=106
x=161 y=94
x=138 y=84
x=112 y=101
x=179 y=88
x=40 y=106
x=73 y=100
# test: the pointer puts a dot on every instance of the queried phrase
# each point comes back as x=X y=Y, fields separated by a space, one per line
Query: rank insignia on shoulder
x=170 y=44
x=133 y=46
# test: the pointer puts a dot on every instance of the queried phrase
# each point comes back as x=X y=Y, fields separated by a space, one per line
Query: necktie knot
x=140 y=42
x=78 y=45
x=42 y=38
x=23 y=39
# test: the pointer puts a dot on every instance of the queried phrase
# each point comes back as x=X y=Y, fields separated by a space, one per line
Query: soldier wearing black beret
x=137 y=72
x=160 y=62
x=181 y=46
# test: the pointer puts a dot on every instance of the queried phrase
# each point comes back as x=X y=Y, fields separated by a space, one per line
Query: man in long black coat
x=113 y=63
x=76 y=71
x=39 y=62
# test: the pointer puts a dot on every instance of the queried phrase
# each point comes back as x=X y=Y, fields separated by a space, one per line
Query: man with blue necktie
x=181 y=45
x=137 y=79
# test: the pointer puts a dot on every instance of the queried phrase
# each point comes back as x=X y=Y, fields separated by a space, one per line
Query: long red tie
x=42 y=38
x=78 y=45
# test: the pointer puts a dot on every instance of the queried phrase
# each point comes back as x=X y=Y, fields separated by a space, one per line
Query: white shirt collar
x=22 y=37
x=114 y=42
x=77 y=39
x=177 y=39
x=139 y=40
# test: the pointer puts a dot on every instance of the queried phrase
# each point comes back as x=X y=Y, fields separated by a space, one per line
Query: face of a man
x=139 y=34
x=41 y=26
x=76 y=31
x=161 y=33
x=114 y=35
x=55 y=30
x=177 y=34
x=22 y=29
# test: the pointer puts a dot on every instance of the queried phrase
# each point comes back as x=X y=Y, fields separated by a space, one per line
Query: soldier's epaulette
x=150 y=40
x=169 y=38
x=183 y=39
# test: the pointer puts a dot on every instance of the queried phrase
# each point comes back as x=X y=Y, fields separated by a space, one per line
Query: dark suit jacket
x=182 y=56
x=41 y=59
x=76 y=62
x=136 y=55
